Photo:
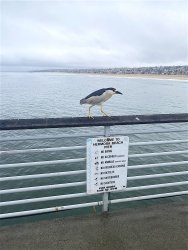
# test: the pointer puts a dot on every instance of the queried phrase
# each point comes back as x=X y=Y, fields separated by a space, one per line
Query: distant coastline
x=157 y=72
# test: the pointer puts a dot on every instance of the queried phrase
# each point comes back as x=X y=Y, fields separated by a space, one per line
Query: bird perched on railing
x=98 y=98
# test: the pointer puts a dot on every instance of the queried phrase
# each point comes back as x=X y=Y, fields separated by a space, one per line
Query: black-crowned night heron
x=98 y=98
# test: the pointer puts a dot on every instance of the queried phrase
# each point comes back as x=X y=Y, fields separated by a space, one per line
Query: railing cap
x=42 y=123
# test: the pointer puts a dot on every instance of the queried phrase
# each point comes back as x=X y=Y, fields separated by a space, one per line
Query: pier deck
x=163 y=226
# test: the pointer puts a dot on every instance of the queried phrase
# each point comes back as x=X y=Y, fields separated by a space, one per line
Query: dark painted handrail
x=42 y=123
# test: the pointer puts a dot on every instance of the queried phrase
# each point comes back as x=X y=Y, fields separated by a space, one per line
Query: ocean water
x=31 y=95
x=37 y=95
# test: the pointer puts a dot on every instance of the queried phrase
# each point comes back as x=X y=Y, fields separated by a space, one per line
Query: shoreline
x=146 y=76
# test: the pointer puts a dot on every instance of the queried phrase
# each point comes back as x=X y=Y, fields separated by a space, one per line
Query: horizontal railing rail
x=168 y=174
x=68 y=122
x=44 y=150
x=23 y=138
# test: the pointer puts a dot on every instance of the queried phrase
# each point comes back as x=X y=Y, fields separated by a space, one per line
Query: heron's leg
x=89 y=115
x=103 y=112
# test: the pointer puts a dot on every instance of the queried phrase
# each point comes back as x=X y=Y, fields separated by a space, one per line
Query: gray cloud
x=94 y=33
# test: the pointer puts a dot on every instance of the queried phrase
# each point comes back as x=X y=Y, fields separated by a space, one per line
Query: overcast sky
x=94 y=33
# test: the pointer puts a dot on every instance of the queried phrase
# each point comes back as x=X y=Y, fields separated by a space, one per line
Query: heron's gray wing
x=96 y=93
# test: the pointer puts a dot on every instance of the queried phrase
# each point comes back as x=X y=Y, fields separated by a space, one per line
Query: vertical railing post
x=106 y=194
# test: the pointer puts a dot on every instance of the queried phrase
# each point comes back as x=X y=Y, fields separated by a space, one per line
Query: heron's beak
x=117 y=92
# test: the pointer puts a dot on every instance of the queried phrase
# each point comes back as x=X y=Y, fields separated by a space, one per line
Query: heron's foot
x=105 y=114
x=90 y=117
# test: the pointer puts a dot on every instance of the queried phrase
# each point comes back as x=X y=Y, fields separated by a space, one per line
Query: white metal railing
x=42 y=150
x=24 y=138
x=104 y=201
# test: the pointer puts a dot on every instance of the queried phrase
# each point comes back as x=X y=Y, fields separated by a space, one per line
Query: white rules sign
x=107 y=160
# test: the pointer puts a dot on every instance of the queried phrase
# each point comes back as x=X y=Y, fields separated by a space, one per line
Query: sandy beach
x=147 y=76
x=175 y=77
